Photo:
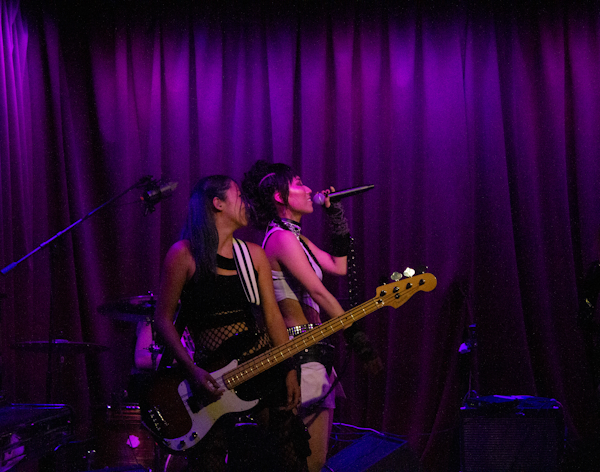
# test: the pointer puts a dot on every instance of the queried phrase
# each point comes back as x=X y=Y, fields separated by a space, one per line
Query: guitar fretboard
x=394 y=296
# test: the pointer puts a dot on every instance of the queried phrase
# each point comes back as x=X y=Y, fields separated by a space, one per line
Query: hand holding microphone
x=322 y=197
x=341 y=241
x=334 y=196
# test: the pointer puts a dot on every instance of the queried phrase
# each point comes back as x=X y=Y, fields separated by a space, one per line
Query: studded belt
x=296 y=330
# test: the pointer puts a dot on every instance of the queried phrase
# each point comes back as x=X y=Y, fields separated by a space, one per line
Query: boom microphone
x=155 y=192
x=319 y=198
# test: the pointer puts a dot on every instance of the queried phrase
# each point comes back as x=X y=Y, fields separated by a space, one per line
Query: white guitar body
x=205 y=418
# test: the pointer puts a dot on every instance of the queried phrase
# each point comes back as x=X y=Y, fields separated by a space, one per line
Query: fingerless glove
x=340 y=240
x=360 y=343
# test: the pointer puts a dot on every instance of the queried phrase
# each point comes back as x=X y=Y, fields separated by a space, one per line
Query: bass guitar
x=179 y=418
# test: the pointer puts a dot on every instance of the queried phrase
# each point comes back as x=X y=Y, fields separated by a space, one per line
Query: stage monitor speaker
x=374 y=453
x=500 y=433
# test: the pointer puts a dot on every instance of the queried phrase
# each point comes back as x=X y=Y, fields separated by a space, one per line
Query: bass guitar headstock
x=397 y=293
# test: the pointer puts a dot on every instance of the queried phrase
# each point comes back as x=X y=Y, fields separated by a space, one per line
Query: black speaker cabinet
x=374 y=453
x=503 y=433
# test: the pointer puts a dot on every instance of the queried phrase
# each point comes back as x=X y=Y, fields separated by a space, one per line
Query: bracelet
x=297 y=330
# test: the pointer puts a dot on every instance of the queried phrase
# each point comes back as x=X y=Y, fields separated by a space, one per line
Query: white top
x=289 y=287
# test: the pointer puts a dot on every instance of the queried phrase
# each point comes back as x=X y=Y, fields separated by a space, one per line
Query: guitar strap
x=245 y=268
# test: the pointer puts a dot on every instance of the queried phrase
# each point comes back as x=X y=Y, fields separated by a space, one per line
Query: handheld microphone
x=319 y=198
x=155 y=192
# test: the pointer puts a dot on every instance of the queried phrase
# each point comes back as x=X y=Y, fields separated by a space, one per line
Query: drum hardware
x=124 y=441
x=56 y=277
x=31 y=431
x=134 y=309
x=61 y=348
x=137 y=309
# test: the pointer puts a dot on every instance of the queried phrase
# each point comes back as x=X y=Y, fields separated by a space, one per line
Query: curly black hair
x=259 y=186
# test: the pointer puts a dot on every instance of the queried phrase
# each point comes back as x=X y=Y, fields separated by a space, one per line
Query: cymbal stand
x=154 y=347
x=143 y=182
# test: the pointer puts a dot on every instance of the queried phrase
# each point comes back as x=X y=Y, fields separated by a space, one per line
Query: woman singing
x=211 y=272
x=278 y=200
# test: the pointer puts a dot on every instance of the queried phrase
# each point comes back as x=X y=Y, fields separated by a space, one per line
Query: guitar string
x=299 y=343
x=263 y=362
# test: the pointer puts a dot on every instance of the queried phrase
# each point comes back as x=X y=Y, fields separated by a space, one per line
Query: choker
x=292 y=225
x=225 y=263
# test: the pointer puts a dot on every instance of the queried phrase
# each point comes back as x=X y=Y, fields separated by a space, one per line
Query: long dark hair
x=200 y=228
x=259 y=186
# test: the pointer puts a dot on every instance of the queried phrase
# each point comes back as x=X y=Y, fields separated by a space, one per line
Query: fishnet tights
x=271 y=441
x=210 y=339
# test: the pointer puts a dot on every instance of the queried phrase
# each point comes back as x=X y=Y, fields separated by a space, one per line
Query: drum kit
x=122 y=441
x=134 y=309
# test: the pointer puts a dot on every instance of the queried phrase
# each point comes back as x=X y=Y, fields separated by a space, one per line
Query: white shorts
x=314 y=383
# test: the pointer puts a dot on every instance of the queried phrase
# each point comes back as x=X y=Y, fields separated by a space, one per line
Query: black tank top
x=216 y=308
x=222 y=324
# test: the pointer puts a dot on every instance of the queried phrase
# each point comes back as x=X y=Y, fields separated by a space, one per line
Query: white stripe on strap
x=251 y=272
x=243 y=262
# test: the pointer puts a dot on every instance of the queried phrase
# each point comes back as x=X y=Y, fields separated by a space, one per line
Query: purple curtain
x=479 y=127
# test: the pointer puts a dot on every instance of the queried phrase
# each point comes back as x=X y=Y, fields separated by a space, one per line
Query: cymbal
x=61 y=346
x=134 y=309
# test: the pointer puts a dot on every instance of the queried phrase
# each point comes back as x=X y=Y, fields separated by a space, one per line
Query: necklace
x=292 y=225
x=295 y=228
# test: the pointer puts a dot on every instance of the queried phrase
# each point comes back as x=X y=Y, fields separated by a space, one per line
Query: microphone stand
x=51 y=339
x=469 y=347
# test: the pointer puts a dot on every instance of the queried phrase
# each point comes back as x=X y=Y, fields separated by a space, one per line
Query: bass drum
x=174 y=463
x=123 y=440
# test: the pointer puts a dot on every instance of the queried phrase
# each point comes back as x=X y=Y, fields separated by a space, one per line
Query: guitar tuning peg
x=396 y=276
x=422 y=269
x=408 y=272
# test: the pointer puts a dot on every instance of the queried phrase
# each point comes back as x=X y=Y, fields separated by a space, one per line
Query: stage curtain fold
x=479 y=127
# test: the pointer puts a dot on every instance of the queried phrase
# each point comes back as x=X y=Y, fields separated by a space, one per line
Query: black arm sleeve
x=360 y=343
x=340 y=239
